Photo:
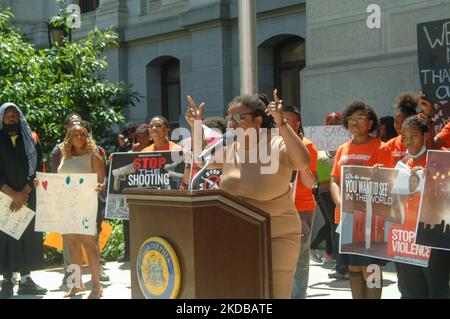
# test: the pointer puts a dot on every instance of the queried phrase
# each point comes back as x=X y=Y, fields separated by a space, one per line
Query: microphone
x=228 y=138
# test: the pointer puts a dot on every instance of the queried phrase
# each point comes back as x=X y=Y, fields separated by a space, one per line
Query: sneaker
x=29 y=287
x=102 y=261
x=103 y=276
x=338 y=275
x=315 y=256
x=7 y=290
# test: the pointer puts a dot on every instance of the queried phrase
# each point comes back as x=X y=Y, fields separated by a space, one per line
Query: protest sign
x=157 y=170
x=66 y=203
x=433 y=228
x=433 y=44
x=379 y=214
x=13 y=223
x=327 y=138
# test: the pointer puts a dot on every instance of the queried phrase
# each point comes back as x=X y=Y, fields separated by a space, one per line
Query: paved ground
x=320 y=286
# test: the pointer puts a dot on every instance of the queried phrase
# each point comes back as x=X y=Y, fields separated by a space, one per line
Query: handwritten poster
x=327 y=138
x=66 y=203
x=433 y=45
x=13 y=223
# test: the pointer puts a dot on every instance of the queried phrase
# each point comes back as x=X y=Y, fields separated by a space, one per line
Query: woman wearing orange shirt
x=304 y=203
x=159 y=133
x=406 y=105
x=432 y=281
x=363 y=150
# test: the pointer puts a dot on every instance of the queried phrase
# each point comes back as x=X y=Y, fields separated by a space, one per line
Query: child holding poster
x=432 y=281
x=363 y=150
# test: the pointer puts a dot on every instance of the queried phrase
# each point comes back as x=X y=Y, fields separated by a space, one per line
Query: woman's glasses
x=237 y=117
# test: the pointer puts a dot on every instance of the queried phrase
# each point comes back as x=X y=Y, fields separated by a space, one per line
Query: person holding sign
x=80 y=156
x=363 y=150
x=432 y=281
x=443 y=138
x=19 y=157
x=269 y=191
x=406 y=105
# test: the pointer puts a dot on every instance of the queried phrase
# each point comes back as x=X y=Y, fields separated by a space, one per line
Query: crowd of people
x=306 y=178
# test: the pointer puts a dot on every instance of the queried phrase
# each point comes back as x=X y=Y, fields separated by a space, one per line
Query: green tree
x=49 y=84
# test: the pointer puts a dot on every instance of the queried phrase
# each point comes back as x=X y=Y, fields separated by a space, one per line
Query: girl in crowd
x=159 y=133
x=387 y=129
x=304 y=203
x=362 y=150
x=405 y=105
x=326 y=205
x=432 y=281
x=80 y=156
x=271 y=191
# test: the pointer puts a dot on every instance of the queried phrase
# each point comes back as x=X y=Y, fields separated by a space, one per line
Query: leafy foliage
x=51 y=83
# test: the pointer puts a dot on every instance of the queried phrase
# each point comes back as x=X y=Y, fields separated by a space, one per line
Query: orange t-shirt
x=304 y=198
x=170 y=147
x=397 y=148
x=369 y=154
x=444 y=135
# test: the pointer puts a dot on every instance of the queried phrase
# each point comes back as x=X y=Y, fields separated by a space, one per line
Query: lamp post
x=247 y=46
x=57 y=30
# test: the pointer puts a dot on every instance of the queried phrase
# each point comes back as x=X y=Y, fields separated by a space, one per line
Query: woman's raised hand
x=193 y=112
x=275 y=109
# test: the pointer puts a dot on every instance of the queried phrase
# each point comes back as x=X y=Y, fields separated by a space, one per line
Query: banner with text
x=379 y=214
x=157 y=170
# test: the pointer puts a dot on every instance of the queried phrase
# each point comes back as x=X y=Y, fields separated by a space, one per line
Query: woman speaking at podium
x=270 y=192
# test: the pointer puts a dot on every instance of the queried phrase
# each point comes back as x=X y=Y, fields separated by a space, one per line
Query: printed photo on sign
x=433 y=43
x=327 y=138
x=155 y=170
x=13 y=223
x=433 y=228
x=379 y=214
x=66 y=203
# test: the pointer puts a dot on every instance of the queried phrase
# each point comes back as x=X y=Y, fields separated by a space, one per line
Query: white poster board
x=327 y=138
x=13 y=223
x=66 y=203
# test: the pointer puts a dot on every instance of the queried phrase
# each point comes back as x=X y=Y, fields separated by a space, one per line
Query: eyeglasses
x=358 y=118
x=237 y=117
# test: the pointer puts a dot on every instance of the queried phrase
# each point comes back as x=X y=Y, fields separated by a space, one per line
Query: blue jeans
x=301 y=275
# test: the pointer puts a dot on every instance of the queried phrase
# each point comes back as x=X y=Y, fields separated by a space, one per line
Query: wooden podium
x=222 y=243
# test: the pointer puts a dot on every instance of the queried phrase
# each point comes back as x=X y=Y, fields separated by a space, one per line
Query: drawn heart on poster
x=44 y=184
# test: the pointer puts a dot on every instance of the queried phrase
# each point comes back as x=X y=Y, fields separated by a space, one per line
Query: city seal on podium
x=158 y=270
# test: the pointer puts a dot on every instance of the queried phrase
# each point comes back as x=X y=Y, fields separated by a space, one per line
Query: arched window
x=289 y=59
x=170 y=92
x=88 y=5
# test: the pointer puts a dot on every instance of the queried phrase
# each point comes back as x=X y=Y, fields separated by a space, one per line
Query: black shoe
x=7 y=290
x=30 y=288
x=338 y=275
x=103 y=276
